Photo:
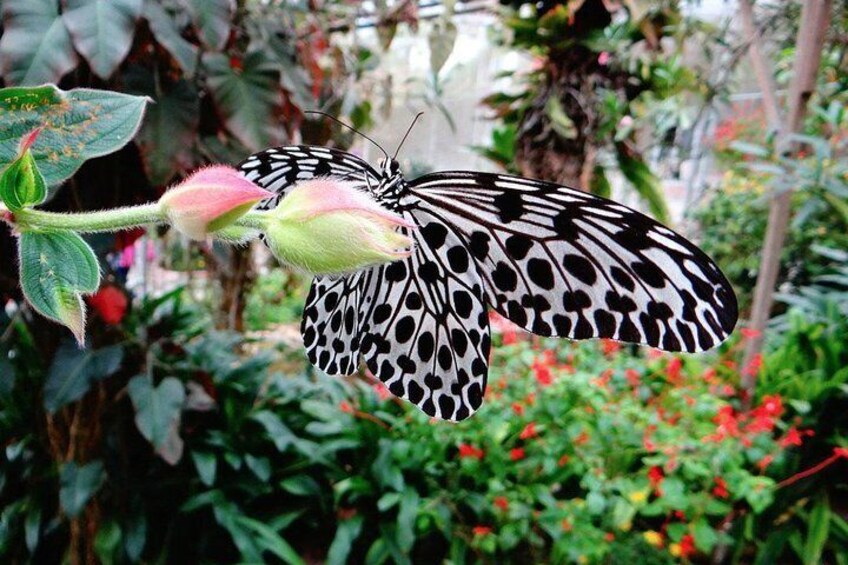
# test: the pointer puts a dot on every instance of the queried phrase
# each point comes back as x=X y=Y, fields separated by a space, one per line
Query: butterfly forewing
x=427 y=330
x=278 y=169
x=561 y=262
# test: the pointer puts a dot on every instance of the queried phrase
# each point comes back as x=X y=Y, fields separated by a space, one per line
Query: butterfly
x=554 y=260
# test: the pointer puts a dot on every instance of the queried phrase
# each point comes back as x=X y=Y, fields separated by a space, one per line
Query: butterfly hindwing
x=426 y=334
x=331 y=322
x=561 y=262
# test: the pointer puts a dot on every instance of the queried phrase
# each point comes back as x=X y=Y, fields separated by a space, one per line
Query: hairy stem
x=88 y=222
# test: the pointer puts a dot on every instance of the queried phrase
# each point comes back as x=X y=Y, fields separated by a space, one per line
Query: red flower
x=610 y=347
x=603 y=380
x=655 y=475
x=720 y=488
x=482 y=530
x=501 y=503
x=542 y=373
x=609 y=536
x=469 y=451
x=531 y=399
x=753 y=366
x=750 y=333
x=517 y=454
x=518 y=408
x=582 y=438
x=110 y=303
x=563 y=461
x=765 y=462
x=633 y=377
x=381 y=390
x=529 y=431
x=794 y=437
x=345 y=407
x=687 y=546
x=672 y=371
x=772 y=405
x=841 y=452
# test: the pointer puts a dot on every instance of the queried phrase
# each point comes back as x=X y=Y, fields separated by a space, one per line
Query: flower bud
x=210 y=199
x=21 y=183
x=327 y=226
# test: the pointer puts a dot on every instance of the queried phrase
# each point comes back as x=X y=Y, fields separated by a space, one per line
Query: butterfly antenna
x=350 y=127
x=418 y=115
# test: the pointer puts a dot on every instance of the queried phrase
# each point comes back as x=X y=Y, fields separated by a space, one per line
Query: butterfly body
x=554 y=260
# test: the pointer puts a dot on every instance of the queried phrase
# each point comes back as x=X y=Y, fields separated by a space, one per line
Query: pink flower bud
x=210 y=199
x=328 y=226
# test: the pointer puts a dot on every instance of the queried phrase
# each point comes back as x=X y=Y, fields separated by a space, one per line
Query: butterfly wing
x=331 y=322
x=426 y=332
x=561 y=262
x=278 y=169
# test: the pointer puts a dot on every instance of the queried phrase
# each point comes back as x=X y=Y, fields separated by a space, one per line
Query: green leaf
x=56 y=268
x=74 y=370
x=206 y=464
x=301 y=485
x=102 y=31
x=560 y=121
x=245 y=96
x=260 y=466
x=407 y=513
x=22 y=184
x=167 y=33
x=78 y=125
x=270 y=540
x=212 y=18
x=818 y=525
x=157 y=414
x=442 y=39
x=167 y=135
x=32 y=527
x=275 y=429
x=35 y=46
x=705 y=536
x=346 y=533
x=78 y=483
x=647 y=185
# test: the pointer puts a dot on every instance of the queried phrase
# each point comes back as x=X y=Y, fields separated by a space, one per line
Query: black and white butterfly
x=554 y=260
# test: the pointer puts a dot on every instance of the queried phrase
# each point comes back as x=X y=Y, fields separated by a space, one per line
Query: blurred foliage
x=603 y=79
x=276 y=298
x=582 y=453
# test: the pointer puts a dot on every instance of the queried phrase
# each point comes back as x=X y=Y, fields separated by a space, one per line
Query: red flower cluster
x=673 y=371
x=656 y=476
x=501 y=503
x=110 y=303
x=517 y=454
x=469 y=451
x=720 y=488
x=687 y=546
x=529 y=431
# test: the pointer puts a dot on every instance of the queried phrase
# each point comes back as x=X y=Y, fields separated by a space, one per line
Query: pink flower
x=210 y=199
x=603 y=58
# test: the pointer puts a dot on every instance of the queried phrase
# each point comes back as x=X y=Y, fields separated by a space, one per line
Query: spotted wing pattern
x=561 y=262
x=278 y=169
x=331 y=322
x=426 y=332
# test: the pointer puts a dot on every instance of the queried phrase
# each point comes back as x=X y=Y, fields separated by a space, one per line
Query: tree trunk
x=815 y=18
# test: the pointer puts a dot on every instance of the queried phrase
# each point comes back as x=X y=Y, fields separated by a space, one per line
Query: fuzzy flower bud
x=327 y=226
x=209 y=200
x=21 y=183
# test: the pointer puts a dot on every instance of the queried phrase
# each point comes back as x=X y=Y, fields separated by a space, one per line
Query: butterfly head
x=390 y=168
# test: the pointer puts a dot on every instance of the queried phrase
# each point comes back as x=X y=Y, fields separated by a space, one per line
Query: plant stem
x=110 y=220
x=88 y=222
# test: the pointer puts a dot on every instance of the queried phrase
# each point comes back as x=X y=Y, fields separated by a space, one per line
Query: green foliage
x=102 y=31
x=36 y=46
x=578 y=451
x=110 y=120
x=57 y=268
x=78 y=483
x=276 y=298
x=74 y=371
